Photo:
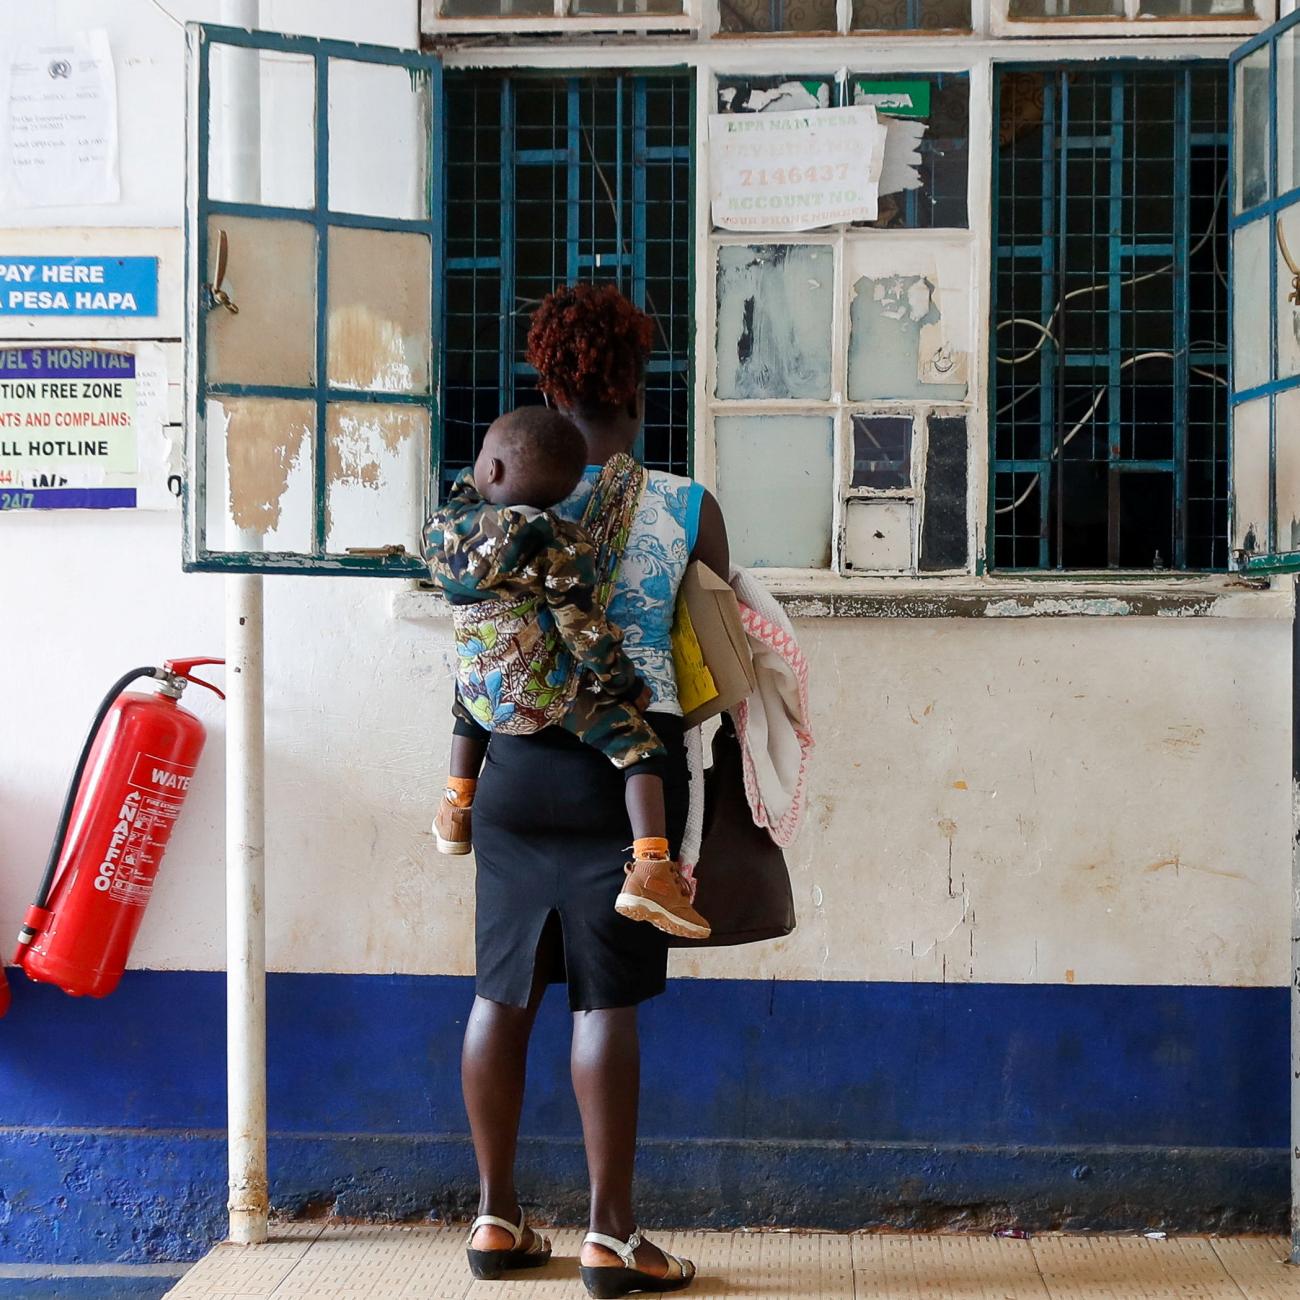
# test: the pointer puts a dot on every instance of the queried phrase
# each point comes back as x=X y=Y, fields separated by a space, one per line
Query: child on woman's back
x=534 y=648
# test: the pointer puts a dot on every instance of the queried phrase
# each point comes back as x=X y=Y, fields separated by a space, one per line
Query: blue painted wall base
x=827 y=1105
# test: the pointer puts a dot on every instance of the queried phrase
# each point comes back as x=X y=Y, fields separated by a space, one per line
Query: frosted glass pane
x=1250 y=130
x=775 y=486
x=1250 y=293
x=379 y=330
x=379 y=139
x=259 y=474
x=774 y=321
x=1288 y=103
x=271 y=277
x=278 y=167
x=1250 y=459
x=908 y=337
x=376 y=459
x=1287 y=417
x=1288 y=313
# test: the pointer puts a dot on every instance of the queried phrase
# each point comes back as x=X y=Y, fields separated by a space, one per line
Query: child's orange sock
x=460 y=790
x=653 y=846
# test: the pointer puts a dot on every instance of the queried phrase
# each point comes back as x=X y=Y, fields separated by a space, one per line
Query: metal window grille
x=555 y=180
x=1110 y=310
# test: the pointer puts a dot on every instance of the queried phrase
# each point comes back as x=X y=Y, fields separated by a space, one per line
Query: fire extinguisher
x=126 y=793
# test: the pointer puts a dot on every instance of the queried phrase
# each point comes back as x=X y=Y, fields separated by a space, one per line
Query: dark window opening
x=1110 y=314
x=550 y=181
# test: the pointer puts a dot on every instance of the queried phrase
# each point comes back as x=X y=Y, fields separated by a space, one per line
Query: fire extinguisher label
x=156 y=790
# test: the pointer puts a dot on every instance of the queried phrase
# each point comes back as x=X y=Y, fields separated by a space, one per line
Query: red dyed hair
x=589 y=346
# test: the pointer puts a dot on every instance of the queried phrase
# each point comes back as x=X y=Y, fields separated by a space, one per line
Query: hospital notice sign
x=64 y=408
x=795 y=171
x=78 y=286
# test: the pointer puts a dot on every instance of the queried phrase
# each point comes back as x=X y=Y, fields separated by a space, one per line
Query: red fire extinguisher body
x=134 y=785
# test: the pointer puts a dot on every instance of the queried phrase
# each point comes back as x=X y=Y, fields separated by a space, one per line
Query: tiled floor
x=373 y=1262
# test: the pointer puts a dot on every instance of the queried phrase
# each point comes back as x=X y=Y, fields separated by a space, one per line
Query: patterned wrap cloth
x=533 y=645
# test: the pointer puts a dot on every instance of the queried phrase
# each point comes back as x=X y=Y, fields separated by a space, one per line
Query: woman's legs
x=606 y=1066
x=492 y=1069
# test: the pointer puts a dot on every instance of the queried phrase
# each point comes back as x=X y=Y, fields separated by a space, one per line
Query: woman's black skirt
x=551 y=836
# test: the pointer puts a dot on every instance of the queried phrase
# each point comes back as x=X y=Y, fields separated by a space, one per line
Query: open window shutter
x=1265 y=295
x=314 y=250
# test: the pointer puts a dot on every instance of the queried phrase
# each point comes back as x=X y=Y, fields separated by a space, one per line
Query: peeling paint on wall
x=264 y=443
x=909 y=320
x=369 y=446
x=901 y=167
x=379 y=322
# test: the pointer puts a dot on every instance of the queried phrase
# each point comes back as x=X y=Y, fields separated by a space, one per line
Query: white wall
x=1108 y=796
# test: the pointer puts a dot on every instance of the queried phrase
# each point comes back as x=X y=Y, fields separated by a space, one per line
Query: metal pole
x=245 y=912
x=237 y=133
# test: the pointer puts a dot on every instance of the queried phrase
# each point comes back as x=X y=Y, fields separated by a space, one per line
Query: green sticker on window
x=897 y=98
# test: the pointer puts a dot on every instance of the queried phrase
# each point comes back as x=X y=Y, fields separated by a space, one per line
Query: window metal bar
x=319 y=468
x=573 y=188
x=1114 y=323
x=1182 y=294
x=1053 y=433
x=506 y=293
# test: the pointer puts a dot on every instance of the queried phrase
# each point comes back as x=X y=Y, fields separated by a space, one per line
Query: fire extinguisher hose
x=28 y=933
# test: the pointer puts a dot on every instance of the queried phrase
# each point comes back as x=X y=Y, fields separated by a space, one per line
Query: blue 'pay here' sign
x=78 y=286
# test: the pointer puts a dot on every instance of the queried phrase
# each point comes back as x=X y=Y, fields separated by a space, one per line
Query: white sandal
x=611 y=1282
x=490 y=1264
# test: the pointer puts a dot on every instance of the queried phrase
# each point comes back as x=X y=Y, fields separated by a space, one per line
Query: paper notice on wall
x=59 y=131
x=795 y=171
x=84 y=427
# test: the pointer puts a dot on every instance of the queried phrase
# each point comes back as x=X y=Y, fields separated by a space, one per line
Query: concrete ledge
x=825 y=596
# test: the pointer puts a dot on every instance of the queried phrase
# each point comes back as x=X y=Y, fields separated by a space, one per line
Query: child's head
x=530 y=457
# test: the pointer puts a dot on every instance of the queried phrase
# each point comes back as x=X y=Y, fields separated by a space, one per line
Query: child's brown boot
x=656 y=891
x=452 y=821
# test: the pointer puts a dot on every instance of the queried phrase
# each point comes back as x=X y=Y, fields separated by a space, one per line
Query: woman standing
x=551 y=830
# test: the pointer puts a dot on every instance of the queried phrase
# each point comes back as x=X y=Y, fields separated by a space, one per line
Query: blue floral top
x=645 y=591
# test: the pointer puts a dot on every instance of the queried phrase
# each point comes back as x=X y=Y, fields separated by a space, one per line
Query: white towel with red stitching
x=774 y=726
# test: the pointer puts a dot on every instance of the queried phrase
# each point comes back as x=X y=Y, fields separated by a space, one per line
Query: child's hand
x=643 y=701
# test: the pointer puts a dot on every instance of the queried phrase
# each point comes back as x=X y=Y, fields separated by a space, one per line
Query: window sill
x=820 y=595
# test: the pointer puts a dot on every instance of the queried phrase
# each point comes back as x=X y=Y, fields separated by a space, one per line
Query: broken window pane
x=909 y=326
x=878 y=535
x=774 y=321
x=277 y=91
x=1250 y=129
x=379 y=139
x=773 y=94
x=270 y=275
x=944 y=540
x=1250 y=325
x=923 y=180
x=376 y=458
x=378 y=333
x=777 y=15
x=775 y=486
x=911 y=15
x=259 y=474
x=882 y=451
